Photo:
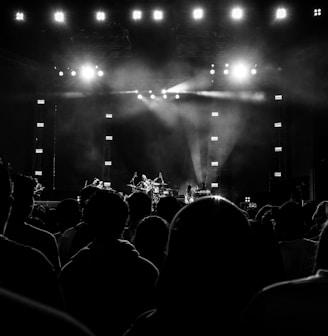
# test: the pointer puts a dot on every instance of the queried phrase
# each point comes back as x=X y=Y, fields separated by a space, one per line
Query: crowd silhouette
x=112 y=264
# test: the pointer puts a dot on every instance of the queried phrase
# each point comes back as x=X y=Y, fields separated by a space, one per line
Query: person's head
x=210 y=244
x=140 y=205
x=107 y=213
x=143 y=177
x=68 y=213
x=151 y=234
x=23 y=196
x=289 y=223
x=320 y=214
x=86 y=193
x=6 y=198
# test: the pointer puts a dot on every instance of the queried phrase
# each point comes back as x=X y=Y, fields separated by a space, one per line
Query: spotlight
x=136 y=15
x=240 y=72
x=100 y=16
x=19 y=16
x=253 y=71
x=73 y=73
x=158 y=15
x=87 y=73
x=212 y=71
x=165 y=96
x=317 y=12
x=198 y=13
x=281 y=13
x=61 y=73
x=152 y=96
x=139 y=96
x=177 y=96
x=237 y=13
x=59 y=17
x=100 y=73
x=163 y=91
x=226 y=72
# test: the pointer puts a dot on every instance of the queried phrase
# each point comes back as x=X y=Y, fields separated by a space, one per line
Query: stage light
x=139 y=96
x=281 y=13
x=198 y=13
x=100 y=16
x=136 y=15
x=253 y=71
x=73 y=73
x=100 y=73
x=108 y=163
x=108 y=115
x=87 y=72
x=226 y=72
x=152 y=96
x=59 y=17
x=177 y=96
x=163 y=91
x=158 y=15
x=214 y=185
x=212 y=71
x=237 y=13
x=239 y=72
x=109 y=138
x=278 y=97
x=40 y=125
x=277 y=124
x=215 y=114
x=38 y=151
x=278 y=149
x=165 y=96
x=277 y=174
x=215 y=164
x=214 y=138
x=19 y=16
x=38 y=173
x=40 y=101
x=61 y=73
x=150 y=91
x=317 y=12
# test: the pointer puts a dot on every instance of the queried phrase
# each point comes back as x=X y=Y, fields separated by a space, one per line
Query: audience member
x=24 y=233
x=107 y=283
x=297 y=252
x=295 y=307
x=151 y=239
x=167 y=207
x=210 y=273
x=140 y=206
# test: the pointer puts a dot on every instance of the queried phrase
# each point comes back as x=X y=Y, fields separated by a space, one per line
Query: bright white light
x=317 y=12
x=59 y=17
x=281 y=13
x=198 y=13
x=226 y=72
x=87 y=73
x=163 y=91
x=253 y=71
x=177 y=96
x=100 y=73
x=240 y=72
x=237 y=13
x=139 y=96
x=73 y=73
x=150 y=91
x=164 y=96
x=152 y=96
x=19 y=16
x=212 y=71
x=277 y=174
x=158 y=15
x=137 y=14
x=100 y=16
x=61 y=73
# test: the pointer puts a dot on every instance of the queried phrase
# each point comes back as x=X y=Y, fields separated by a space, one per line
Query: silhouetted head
x=211 y=261
x=107 y=213
x=321 y=258
x=86 y=193
x=167 y=207
x=140 y=205
x=68 y=213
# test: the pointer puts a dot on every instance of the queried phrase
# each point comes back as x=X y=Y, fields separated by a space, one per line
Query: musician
x=189 y=194
x=159 y=179
x=145 y=184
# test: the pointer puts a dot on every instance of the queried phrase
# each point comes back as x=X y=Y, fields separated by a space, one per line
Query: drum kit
x=155 y=189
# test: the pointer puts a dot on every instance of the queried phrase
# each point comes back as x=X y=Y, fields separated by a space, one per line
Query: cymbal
x=158 y=184
x=131 y=185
